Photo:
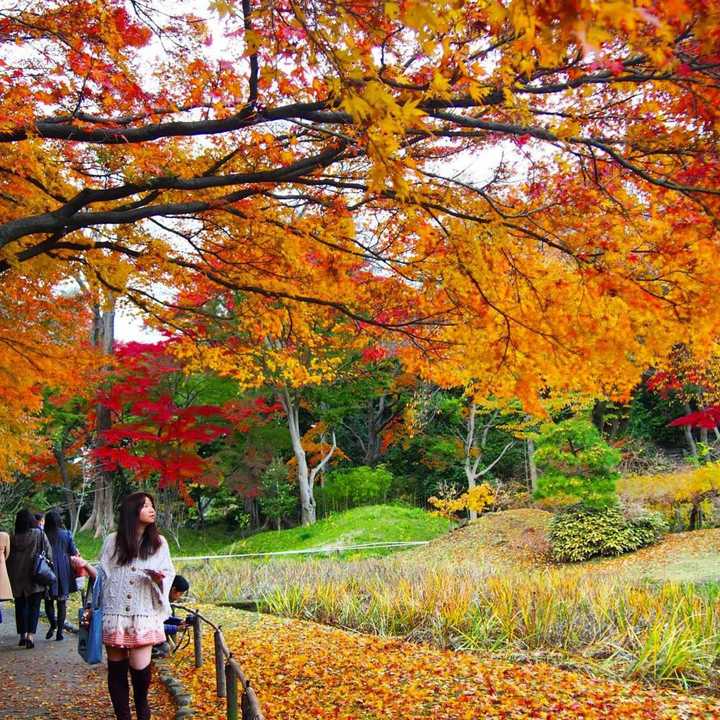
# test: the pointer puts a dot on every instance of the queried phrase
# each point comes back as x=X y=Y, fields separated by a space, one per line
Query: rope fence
x=329 y=549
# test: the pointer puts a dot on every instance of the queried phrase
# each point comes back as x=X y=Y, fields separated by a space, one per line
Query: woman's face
x=147 y=512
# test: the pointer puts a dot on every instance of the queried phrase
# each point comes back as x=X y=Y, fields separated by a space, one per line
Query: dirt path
x=52 y=682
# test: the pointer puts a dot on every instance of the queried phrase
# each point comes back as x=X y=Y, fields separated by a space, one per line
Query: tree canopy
x=521 y=195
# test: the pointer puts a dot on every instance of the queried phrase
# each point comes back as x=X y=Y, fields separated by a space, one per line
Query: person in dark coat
x=63 y=548
x=25 y=544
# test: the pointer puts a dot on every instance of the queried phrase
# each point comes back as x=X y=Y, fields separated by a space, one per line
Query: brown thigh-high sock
x=141 y=685
x=119 y=688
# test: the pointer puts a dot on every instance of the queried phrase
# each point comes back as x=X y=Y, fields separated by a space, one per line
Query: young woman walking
x=63 y=548
x=136 y=574
x=27 y=541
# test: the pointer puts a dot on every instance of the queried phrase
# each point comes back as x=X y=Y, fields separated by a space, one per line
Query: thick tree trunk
x=704 y=436
x=598 y=415
x=696 y=517
x=253 y=510
x=374 y=424
x=66 y=483
x=101 y=520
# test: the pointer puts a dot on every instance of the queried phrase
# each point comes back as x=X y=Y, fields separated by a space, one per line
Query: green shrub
x=347 y=488
x=576 y=465
x=649 y=527
x=582 y=532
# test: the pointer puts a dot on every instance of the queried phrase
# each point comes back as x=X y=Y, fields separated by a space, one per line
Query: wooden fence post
x=231 y=681
x=197 y=641
x=219 y=665
x=250 y=705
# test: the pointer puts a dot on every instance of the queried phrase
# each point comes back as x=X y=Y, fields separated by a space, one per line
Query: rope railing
x=230 y=681
x=326 y=549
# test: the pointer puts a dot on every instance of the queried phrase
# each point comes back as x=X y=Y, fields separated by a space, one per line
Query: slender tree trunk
x=474 y=444
x=101 y=520
x=306 y=475
x=532 y=467
x=471 y=465
x=689 y=436
x=308 y=514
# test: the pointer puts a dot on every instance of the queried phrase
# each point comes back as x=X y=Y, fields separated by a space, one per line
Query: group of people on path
x=34 y=534
x=138 y=584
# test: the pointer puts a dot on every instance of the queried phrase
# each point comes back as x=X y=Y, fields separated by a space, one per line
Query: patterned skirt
x=131 y=631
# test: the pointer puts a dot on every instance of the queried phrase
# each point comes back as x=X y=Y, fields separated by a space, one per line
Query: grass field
x=375 y=523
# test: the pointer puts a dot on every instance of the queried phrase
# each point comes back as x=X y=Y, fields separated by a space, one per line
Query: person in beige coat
x=5 y=589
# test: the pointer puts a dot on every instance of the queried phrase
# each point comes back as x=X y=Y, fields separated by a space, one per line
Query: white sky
x=130 y=328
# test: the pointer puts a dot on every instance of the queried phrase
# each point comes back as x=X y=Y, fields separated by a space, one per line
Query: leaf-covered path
x=53 y=683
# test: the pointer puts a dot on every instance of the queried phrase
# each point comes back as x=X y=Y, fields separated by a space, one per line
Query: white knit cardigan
x=127 y=590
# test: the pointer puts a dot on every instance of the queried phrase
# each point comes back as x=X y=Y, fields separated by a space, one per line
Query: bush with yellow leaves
x=689 y=492
x=478 y=498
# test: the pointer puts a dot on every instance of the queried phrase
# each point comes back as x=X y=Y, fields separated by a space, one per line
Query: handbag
x=43 y=573
x=90 y=621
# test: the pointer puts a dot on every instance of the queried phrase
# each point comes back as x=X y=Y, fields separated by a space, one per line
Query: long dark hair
x=127 y=547
x=24 y=521
x=53 y=523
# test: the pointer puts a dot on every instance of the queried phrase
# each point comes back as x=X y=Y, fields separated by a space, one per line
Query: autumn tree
x=471 y=422
x=692 y=487
x=159 y=426
x=692 y=377
x=507 y=188
x=44 y=343
x=367 y=405
x=475 y=462
x=66 y=431
x=236 y=339
x=102 y=515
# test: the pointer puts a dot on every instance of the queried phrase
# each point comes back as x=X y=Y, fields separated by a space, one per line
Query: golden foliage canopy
x=521 y=194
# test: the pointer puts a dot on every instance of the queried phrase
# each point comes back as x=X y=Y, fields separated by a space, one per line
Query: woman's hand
x=156 y=576
x=78 y=562
x=80 y=565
